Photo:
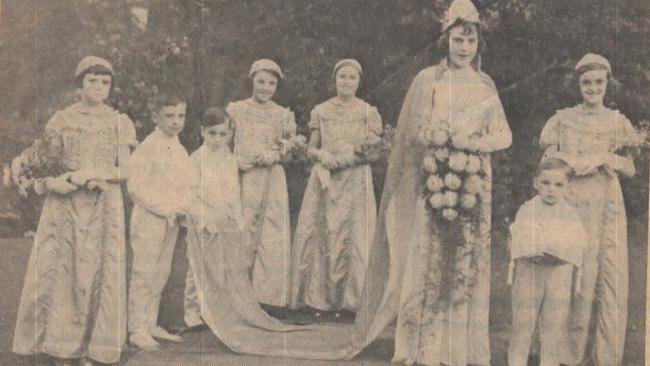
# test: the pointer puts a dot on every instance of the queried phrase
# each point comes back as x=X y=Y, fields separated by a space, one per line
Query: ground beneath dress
x=203 y=348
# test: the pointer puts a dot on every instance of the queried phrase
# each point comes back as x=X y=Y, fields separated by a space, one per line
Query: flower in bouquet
x=300 y=140
x=42 y=159
x=450 y=198
x=429 y=164
x=376 y=148
x=291 y=143
x=473 y=164
x=424 y=136
x=468 y=201
x=439 y=137
x=442 y=154
x=457 y=161
x=435 y=183
x=437 y=200
x=473 y=184
x=453 y=181
x=294 y=148
x=633 y=145
x=449 y=214
x=460 y=141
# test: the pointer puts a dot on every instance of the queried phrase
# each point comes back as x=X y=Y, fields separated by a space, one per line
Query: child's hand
x=97 y=184
x=327 y=160
x=268 y=159
x=246 y=166
x=313 y=153
x=172 y=218
x=60 y=184
x=613 y=161
x=212 y=227
x=474 y=144
x=283 y=144
x=591 y=163
x=80 y=178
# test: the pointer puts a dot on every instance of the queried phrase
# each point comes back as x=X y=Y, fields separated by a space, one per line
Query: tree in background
x=203 y=49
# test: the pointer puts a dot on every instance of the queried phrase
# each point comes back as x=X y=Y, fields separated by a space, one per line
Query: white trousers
x=541 y=298
x=153 y=240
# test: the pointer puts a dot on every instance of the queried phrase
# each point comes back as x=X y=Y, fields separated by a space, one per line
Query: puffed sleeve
x=44 y=157
x=53 y=140
x=626 y=134
x=374 y=120
x=498 y=136
x=126 y=131
x=628 y=140
x=231 y=110
x=550 y=135
x=55 y=123
x=315 y=119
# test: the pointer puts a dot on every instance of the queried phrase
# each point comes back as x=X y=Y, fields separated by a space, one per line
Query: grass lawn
x=202 y=348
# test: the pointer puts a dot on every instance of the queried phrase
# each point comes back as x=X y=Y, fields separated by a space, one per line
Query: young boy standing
x=158 y=184
x=215 y=217
x=547 y=246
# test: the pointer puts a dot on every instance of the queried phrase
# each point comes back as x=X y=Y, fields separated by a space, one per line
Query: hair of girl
x=442 y=44
x=591 y=62
x=96 y=70
x=214 y=116
x=267 y=65
x=347 y=62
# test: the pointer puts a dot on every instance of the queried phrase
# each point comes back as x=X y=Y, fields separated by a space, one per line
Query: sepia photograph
x=324 y=182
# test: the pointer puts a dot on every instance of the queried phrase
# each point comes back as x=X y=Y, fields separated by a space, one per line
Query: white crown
x=460 y=9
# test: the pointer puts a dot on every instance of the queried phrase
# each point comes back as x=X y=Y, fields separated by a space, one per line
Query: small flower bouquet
x=293 y=147
x=452 y=174
x=642 y=142
x=42 y=159
x=376 y=148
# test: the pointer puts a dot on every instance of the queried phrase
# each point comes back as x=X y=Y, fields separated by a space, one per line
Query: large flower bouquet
x=453 y=179
x=452 y=173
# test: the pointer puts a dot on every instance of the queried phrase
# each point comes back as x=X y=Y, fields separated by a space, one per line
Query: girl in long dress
x=337 y=218
x=260 y=123
x=435 y=326
x=595 y=137
x=73 y=304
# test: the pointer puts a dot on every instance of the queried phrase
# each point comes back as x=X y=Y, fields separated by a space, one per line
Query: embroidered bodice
x=258 y=127
x=90 y=137
x=344 y=125
x=581 y=131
